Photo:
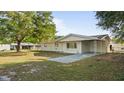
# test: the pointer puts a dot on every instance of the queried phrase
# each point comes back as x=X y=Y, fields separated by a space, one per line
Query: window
x=38 y=46
x=110 y=47
x=71 y=45
x=26 y=47
x=122 y=48
x=56 y=44
x=45 y=45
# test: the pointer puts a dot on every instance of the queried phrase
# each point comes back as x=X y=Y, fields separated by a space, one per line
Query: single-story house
x=22 y=46
x=116 y=47
x=74 y=43
x=4 y=47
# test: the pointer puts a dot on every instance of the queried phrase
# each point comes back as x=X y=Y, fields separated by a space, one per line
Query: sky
x=78 y=22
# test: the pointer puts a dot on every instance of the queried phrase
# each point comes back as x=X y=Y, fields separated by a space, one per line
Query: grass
x=21 y=57
x=26 y=56
x=12 y=53
x=101 y=67
x=49 y=54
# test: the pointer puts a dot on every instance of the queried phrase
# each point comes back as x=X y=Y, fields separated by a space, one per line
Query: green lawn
x=49 y=54
x=102 y=67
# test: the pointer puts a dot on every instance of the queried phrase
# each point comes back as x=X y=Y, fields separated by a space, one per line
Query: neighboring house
x=4 y=47
x=116 y=47
x=22 y=46
x=74 y=43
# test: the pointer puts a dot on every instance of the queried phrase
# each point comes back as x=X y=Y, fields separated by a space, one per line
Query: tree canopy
x=112 y=21
x=19 y=26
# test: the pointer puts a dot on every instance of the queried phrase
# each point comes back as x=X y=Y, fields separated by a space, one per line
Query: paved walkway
x=72 y=58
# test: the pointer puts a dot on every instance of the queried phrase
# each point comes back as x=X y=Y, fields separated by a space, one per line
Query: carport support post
x=95 y=46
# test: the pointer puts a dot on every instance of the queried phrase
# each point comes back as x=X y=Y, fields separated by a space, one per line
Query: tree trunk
x=18 y=46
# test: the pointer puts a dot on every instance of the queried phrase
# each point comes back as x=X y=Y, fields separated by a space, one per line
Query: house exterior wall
x=86 y=46
x=118 y=47
x=4 y=47
x=90 y=46
x=72 y=50
x=23 y=47
x=82 y=46
x=52 y=47
x=94 y=46
x=48 y=47
x=62 y=47
x=102 y=46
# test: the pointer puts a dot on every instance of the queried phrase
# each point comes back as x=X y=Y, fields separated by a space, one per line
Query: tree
x=26 y=26
x=44 y=28
x=112 y=21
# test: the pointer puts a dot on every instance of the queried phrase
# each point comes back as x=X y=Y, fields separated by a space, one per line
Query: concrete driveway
x=72 y=58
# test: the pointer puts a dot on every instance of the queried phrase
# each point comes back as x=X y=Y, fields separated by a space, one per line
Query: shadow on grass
x=49 y=53
x=6 y=54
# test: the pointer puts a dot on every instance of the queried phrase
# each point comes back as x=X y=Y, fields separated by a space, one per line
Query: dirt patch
x=111 y=57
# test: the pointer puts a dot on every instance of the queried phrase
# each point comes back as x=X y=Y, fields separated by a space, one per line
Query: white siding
x=72 y=50
x=4 y=47
x=100 y=46
x=48 y=47
x=82 y=46
x=94 y=46
x=118 y=47
x=86 y=46
x=62 y=47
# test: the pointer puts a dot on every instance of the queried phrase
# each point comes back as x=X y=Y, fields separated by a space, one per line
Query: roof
x=80 y=38
x=100 y=36
x=83 y=37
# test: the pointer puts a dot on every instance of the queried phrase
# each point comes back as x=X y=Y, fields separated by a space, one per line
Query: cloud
x=61 y=27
